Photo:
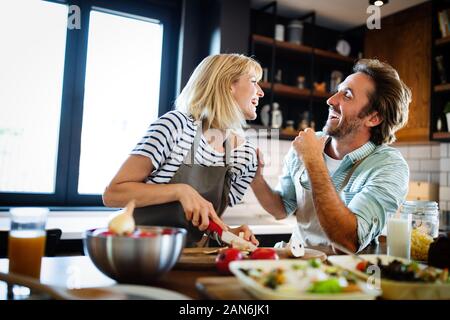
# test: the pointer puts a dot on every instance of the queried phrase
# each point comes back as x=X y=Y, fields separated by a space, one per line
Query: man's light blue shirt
x=378 y=185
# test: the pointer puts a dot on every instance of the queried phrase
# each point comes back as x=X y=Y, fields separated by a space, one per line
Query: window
x=31 y=81
x=74 y=102
x=122 y=74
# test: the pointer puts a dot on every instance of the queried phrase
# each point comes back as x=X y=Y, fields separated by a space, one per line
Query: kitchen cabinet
x=404 y=41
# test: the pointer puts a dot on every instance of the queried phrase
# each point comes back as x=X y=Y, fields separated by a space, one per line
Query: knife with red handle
x=229 y=237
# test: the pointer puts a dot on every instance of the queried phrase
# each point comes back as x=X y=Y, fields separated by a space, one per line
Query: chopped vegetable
x=331 y=285
x=362 y=266
x=315 y=263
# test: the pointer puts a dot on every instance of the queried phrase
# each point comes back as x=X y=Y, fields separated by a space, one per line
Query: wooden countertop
x=79 y=271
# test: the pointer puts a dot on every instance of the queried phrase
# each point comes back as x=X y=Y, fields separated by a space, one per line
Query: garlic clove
x=123 y=223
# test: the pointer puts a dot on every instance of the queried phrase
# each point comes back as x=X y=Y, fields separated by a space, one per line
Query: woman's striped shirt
x=169 y=139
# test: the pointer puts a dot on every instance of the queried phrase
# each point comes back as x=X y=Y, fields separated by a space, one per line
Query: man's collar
x=356 y=154
x=361 y=152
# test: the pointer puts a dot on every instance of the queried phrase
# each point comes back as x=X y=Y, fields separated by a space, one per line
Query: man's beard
x=344 y=129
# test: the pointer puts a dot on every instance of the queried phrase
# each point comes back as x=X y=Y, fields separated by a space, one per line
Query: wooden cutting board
x=222 y=288
x=204 y=258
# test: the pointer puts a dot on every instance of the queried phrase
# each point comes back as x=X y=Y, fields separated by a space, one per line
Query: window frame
x=72 y=98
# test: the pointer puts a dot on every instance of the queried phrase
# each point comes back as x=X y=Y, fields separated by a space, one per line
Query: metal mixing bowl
x=135 y=259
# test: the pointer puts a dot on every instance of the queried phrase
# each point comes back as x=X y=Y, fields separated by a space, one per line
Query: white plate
x=395 y=290
x=146 y=292
x=262 y=292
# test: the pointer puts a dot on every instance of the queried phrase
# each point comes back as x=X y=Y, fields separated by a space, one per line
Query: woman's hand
x=196 y=208
x=248 y=234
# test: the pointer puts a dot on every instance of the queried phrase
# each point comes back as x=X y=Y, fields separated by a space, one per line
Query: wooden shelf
x=441 y=136
x=442 y=41
x=442 y=87
x=288 y=136
x=301 y=48
x=294 y=92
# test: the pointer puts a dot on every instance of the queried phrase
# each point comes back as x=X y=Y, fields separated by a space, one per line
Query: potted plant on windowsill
x=447 y=114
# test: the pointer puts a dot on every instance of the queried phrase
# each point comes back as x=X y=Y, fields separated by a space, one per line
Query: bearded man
x=341 y=182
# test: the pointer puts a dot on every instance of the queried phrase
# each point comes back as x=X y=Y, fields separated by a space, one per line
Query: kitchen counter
x=80 y=272
x=73 y=224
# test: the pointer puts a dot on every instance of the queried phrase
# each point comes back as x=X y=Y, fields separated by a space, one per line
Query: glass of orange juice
x=26 y=243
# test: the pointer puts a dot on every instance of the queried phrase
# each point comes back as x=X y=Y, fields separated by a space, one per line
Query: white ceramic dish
x=148 y=293
x=394 y=290
x=261 y=292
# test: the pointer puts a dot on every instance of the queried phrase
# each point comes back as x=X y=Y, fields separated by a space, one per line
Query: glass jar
x=424 y=216
x=295 y=31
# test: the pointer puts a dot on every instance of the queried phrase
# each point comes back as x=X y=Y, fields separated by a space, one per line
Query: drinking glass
x=399 y=235
x=26 y=243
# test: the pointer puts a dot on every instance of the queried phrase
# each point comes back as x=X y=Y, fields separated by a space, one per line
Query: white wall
x=430 y=163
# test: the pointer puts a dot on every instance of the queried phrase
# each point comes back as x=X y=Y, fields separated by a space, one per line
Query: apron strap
x=347 y=177
x=227 y=147
x=191 y=154
x=350 y=173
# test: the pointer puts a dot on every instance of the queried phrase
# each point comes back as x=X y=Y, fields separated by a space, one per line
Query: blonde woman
x=193 y=162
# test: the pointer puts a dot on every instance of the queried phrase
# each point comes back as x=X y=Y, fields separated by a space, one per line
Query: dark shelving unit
x=314 y=59
x=440 y=92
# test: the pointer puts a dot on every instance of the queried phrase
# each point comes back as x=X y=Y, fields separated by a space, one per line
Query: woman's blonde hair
x=207 y=96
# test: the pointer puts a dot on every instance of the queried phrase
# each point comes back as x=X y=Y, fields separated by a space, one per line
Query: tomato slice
x=264 y=254
x=362 y=266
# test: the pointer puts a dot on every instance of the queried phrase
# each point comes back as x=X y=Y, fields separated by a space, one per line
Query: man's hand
x=308 y=146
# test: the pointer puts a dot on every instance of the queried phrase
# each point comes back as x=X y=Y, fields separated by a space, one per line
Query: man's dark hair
x=390 y=98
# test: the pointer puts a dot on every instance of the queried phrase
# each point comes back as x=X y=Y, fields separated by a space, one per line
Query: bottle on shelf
x=265 y=115
x=301 y=82
x=290 y=130
x=441 y=69
x=336 y=79
x=279 y=32
x=277 y=117
x=265 y=75
x=439 y=124
x=279 y=76
x=303 y=123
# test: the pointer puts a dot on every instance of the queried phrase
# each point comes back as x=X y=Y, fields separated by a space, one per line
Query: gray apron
x=307 y=220
x=212 y=183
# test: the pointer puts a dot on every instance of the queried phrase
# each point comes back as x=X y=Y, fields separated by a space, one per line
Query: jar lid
x=295 y=24
x=421 y=203
x=421 y=206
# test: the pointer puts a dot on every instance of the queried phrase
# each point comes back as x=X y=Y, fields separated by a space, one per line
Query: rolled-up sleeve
x=383 y=193
x=286 y=187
